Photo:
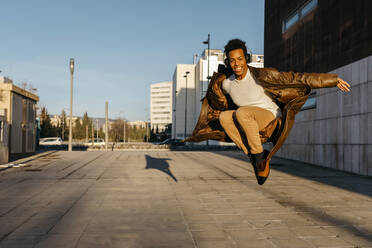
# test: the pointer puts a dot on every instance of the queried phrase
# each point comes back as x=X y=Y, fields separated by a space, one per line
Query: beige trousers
x=243 y=126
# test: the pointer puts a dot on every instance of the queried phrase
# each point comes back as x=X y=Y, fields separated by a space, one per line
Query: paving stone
x=215 y=244
x=109 y=241
x=244 y=236
x=58 y=241
x=308 y=232
x=278 y=233
x=204 y=226
x=261 y=243
x=26 y=241
x=209 y=235
x=330 y=242
x=291 y=243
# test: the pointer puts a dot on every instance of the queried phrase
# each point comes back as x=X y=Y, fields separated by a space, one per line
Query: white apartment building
x=184 y=112
x=257 y=60
x=138 y=124
x=161 y=105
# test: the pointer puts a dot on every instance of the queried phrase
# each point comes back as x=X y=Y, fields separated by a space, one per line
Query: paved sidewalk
x=180 y=199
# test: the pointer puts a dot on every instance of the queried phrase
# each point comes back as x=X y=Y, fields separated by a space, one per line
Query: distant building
x=140 y=124
x=161 y=105
x=257 y=60
x=184 y=102
x=18 y=111
x=56 y=120
x=334 y=128
x=201 y=71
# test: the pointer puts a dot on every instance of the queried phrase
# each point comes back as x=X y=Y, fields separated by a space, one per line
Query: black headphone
x=247 y=58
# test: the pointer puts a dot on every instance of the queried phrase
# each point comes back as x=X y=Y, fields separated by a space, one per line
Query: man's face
x=238 y=63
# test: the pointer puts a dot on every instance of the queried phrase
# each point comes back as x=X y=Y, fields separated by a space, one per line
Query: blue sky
x=120 y=47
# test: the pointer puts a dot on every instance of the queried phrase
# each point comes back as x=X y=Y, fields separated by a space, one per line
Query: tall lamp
x=72 y=67
x=185 y=76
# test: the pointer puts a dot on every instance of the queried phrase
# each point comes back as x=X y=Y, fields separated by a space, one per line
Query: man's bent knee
x=242 y=113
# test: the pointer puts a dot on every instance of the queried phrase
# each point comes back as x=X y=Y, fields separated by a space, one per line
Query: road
x=180 y=199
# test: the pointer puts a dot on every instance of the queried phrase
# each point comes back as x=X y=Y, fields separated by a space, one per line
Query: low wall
x=4 y=154
x=338 y=132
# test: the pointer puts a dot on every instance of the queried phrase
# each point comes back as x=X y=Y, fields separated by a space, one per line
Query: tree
x=63 y=128
x=116 y=132
x=87 y=123
x=47 y=130
x=78 y=130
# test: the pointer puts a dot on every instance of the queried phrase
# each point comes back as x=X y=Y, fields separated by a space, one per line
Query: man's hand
x=342 y=85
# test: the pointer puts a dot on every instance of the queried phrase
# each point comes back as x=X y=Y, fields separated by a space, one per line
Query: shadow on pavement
x=159 y=164
x=345 y=180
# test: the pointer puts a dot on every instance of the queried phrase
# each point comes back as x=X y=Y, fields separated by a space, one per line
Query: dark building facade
x=325 y=34
x=334 y=36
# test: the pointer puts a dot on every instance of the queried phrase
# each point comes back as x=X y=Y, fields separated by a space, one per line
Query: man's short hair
x=235 y=44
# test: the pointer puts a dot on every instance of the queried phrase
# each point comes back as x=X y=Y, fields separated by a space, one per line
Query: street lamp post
x=97 y=129
x=208 y=41
x=63 y=129
x=185 y=76
x=72 y=67
x=124 y=133
x=92 y=132
x=106 y=126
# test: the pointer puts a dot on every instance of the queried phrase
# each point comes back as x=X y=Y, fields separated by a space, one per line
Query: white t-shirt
x=247 y=92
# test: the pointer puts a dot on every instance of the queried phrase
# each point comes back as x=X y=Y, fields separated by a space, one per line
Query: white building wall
x=161 y=105
x=180 y=92
x=338 y=132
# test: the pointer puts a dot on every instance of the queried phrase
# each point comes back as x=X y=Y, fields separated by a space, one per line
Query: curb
x=22 y=162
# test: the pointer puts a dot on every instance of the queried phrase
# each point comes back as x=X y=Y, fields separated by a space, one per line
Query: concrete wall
x=4 y=152
x=338 y=132
x=23 y=127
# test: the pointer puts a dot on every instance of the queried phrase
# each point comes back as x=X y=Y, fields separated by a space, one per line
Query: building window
x=160 y=97
x=310 y=103
x=299 y=14
x=161 y=102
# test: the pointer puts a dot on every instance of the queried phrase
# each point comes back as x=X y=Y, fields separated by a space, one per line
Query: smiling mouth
x=238 y=69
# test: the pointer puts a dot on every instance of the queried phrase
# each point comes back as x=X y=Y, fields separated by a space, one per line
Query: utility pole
x=97 y=129
x=106 y=127
x=147 y=132
x=72 y=66
x=185 y=76
x=124 y=132
x=92 y=133
x=208 y=77
x=63 y=129
x=208 y=41
x=86 y=134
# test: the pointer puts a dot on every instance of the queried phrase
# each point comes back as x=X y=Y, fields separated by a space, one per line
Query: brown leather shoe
x=262 y=169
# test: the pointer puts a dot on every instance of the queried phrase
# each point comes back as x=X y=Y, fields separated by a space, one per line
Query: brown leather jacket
x=289 y=90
